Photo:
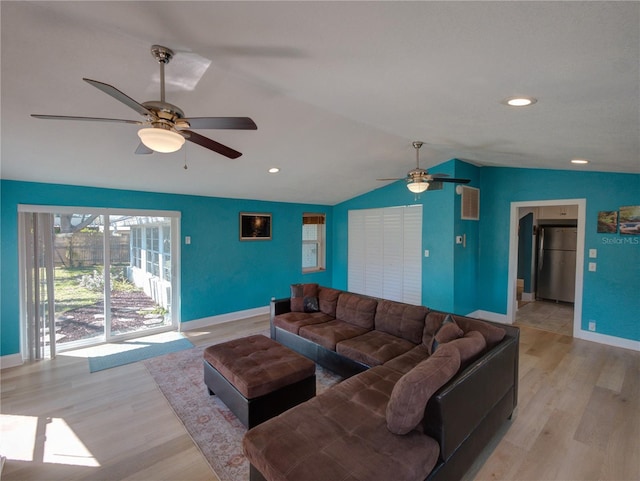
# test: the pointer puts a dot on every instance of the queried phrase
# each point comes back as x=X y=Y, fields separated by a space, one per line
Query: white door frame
x=513 y=258
x=175 y=266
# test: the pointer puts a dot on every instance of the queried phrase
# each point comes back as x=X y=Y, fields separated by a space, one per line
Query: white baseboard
x=577 y=334
x=11 y=360
x=606 y=339
x=489 y=316
x=231 y=316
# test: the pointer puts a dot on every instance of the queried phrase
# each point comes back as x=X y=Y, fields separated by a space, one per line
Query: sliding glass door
x=113 y=273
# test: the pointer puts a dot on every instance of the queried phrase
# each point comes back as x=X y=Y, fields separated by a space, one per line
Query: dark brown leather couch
x=382 y=346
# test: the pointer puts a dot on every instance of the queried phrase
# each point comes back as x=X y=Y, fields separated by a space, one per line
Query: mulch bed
x=127 y=315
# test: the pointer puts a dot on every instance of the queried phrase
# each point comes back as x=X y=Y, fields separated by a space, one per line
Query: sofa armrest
x=276 y=307
x=460 y=406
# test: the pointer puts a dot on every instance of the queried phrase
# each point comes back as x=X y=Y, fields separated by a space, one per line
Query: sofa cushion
x=328 y=300
x=341 y=434
x=304 y=297
x=447 y=332
x=492 y=334
x=328 y=334
x=406 y=406
x=373 y=348
x=431 y=325
x=293 y=321
x=356 y=309
x=401 y=320
x=410 y=359
x=469 y=346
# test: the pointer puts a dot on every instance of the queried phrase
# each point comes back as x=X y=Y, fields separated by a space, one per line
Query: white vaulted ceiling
x=339 y=90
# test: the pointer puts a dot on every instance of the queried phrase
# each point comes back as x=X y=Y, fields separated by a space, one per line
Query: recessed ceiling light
x=579 y=161
x=519 y=101
x=274 y=170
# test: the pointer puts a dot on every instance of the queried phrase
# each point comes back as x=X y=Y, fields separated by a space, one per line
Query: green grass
x=69 y=294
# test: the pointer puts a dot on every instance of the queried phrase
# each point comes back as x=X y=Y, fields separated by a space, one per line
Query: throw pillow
x=492 y=334
x=472 y=344
x=411 y=393
x=304 y=297
x=447 y=334
x=297 y=298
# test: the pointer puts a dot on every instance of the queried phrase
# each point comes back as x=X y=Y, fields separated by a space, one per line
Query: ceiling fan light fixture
x=161 y=140
x=417 y=187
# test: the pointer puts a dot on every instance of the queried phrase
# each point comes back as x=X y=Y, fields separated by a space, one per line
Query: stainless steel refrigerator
x=557 y=263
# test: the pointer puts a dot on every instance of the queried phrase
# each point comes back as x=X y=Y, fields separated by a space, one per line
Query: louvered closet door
x=384 y=252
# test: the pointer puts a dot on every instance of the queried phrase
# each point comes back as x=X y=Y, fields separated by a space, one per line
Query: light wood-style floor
x=578 y=418
x=547 y=315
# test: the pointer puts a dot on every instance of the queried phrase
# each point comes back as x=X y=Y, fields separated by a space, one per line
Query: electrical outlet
x=426 y=252
x=187 y=240
x=593 y=253
x=592 y=326
x=592 y=266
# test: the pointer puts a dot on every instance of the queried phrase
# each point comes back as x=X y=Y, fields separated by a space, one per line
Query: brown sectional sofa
x=405 y=411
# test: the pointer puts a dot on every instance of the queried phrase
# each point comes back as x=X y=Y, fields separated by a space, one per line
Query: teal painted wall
x=465 y=273
x=525 y=251
x=463 y=280
x=610 y=295
x=440 y=209
x=219 y=273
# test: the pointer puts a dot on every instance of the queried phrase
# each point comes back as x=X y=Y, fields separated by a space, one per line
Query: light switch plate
x=592 y=266
x=593 y=253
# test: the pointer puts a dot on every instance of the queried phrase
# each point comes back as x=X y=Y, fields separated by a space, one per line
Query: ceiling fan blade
x=237 y=123
x=122 y=97
x=91 y=119
x=143 y=149
x=211 y=144
x=433 y=185
x=395 y=178
x=453 y=181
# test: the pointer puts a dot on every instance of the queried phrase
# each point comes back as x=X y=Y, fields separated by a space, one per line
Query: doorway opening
x=90 y=276
x=545 y=279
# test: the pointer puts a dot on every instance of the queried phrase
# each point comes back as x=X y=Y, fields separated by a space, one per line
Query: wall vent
x=470 y=203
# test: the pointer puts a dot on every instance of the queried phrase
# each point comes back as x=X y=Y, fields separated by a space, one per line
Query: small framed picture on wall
x=255 y=226
x=629 y=220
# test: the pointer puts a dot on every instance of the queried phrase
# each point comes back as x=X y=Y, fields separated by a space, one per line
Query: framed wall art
x=607 y=222
x=629 y=220
x=255 y=226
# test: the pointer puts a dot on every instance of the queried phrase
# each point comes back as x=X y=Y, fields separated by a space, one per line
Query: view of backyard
x=79 y=305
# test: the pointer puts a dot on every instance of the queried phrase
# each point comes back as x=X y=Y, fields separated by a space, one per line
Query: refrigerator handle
x=541 y=250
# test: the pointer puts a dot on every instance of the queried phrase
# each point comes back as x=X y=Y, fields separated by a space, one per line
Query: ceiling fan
x=165 y=127
x=419 y=180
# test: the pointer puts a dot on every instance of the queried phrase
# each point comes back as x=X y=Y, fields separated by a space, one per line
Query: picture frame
x=255 y=226
x=629 y=220
x=607 y=222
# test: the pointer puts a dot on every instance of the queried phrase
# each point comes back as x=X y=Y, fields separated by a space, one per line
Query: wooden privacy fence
x=82 y=249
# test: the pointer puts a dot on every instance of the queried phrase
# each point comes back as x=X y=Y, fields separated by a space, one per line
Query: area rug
x=118 y=354
x=213 y=427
